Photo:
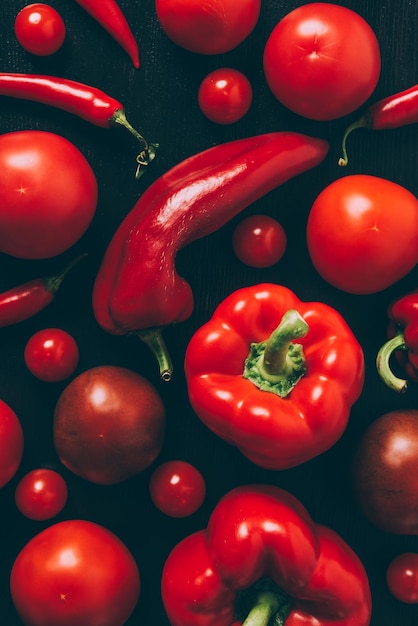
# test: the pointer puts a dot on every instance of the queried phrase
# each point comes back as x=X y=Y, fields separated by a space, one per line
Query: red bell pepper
x=403 y=342
x=280 y=402
x=261 y=549
x=137 y=289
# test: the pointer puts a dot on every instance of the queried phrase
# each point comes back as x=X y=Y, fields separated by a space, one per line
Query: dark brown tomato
x=385 y=471
x=109 y=424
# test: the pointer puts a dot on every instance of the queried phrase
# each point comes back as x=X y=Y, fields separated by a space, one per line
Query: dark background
x=161 y=101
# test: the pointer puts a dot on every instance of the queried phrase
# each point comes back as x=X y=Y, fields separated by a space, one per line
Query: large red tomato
x=48 y=194
x=356 y=238
x=11 y=443
x=75 y=573
x=322 y=61
x=210 y=27
x=108 y=424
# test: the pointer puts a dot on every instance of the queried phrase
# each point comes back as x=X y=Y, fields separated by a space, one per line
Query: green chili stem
x=148 y=151
x=154 y=340
x=53 y=283
x=383 y=367
x=361 y=123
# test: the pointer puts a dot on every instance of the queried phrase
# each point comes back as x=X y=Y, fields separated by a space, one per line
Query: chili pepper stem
x=154 y=340
x=53 y=283
x=361 y=123
x=149 y=150
x=383 y=367
x=277 y=364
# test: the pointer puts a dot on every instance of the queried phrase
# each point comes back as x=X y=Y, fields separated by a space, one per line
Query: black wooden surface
x=161 y=101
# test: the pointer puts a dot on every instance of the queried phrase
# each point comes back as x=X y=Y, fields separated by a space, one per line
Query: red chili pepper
x=280 y=402
x=403 y=342
x=88 y=103
x=137 y=289
x=395 y=111
x=24 y=301
x=109 y=15
x=262 y=555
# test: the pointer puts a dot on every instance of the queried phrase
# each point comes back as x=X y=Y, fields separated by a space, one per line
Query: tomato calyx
x=148 y=151
x=262 y=604
x=153 y=338
x=383 y=363
x=277 y=364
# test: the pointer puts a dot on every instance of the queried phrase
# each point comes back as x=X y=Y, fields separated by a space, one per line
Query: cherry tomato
x=48 y=194
x=355 y=237
x=11 y=443
x=41 y=494
x=210 y=27
x=259 y=241
x=40 y=29
x=322 y=61
x=402 y=577
x=51 y=355
x=225 y=96
x=75 y=572
x=177 y=488
x=109 y=424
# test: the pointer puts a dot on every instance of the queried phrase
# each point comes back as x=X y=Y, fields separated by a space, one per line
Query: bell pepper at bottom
x=261 y=536
x=281 y=402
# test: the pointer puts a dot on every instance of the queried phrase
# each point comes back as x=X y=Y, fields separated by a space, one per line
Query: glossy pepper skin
x=403 y=342
x=137 y=288
x=261 y=532
x=305 y=399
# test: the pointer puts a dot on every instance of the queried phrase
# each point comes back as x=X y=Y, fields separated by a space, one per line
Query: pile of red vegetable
x=269 y=374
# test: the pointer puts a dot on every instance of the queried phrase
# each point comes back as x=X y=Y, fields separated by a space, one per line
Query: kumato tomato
x=109 y=424
x=362 y=233
x=48 y=194
x=75 y=573
x=210 y=27
x=322 y=61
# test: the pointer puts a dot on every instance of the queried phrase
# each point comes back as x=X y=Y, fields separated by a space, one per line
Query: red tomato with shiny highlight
x=177 y=488
x=225 y=95
x=41 y=494
x=356 y=238
x=75 y=572
x=322 y=61
x=259 y=241
x=51 y=354
x=210 y=27
x=40 y=29
x=402 y=577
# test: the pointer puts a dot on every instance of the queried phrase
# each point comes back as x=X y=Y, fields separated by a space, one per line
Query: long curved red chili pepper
x=109 y=15
x=89 y=103
x=137 y=289
x=24 y=301
x=395 y=111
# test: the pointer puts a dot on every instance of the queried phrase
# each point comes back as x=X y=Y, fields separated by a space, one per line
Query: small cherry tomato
x=259 y=241
x=210 y=27
x=51 y=355
x=225 y=96
x=40 y=29
x=402 y=577
x=177 y=488
x=41 y=494
x=322 y=60
x=11 y=443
